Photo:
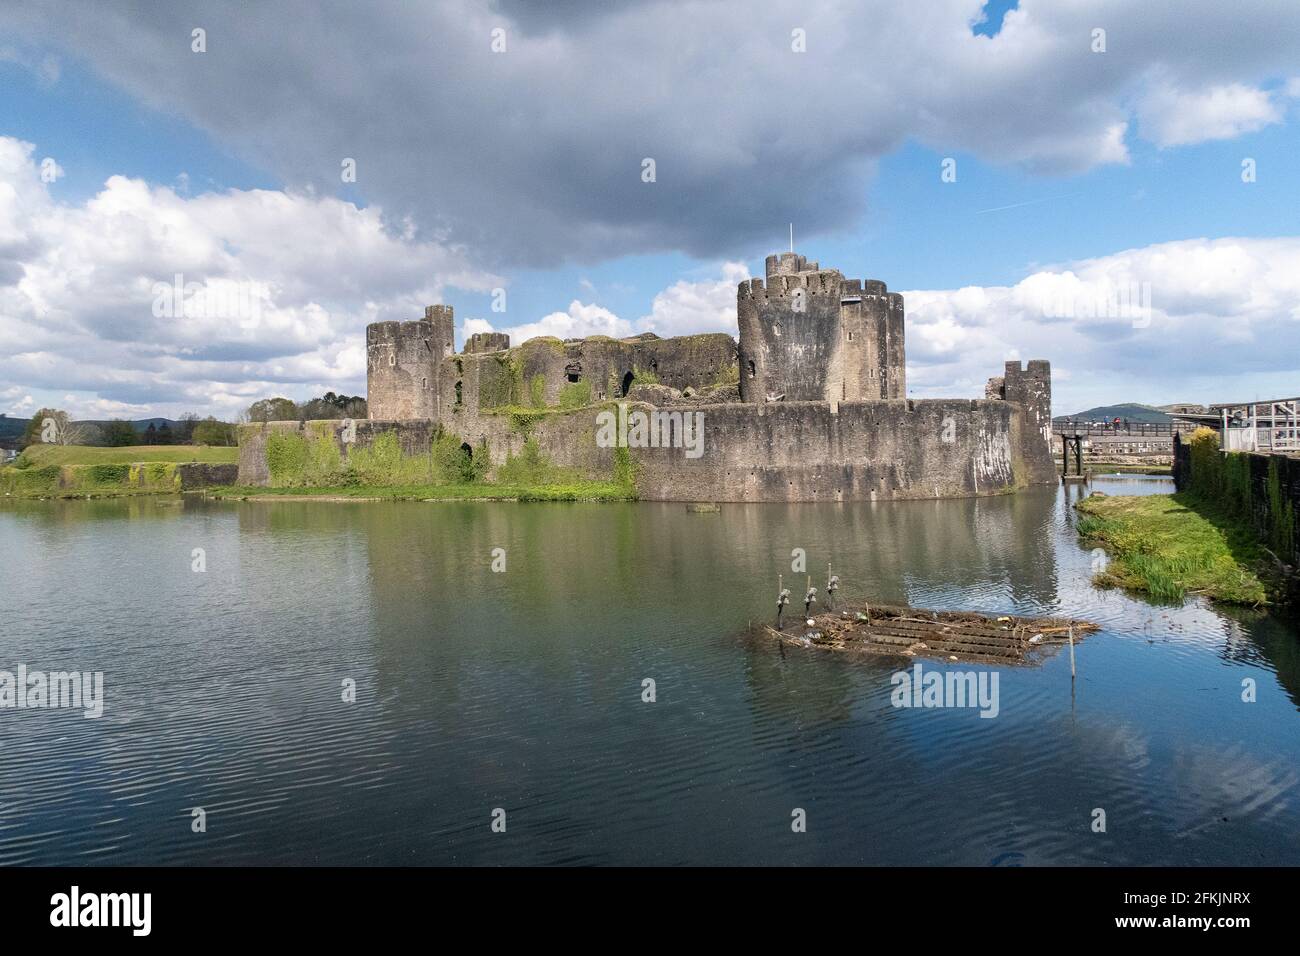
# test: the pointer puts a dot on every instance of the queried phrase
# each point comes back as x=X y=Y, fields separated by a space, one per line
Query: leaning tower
x=404 y=365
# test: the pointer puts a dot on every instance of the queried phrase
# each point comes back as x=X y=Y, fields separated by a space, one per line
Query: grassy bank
x=42 y=455
x=463 y=491
x=1169 y=546
x=81 y=471
x=1105 y=468
x=96 y=481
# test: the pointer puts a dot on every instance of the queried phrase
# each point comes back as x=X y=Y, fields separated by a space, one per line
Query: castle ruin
x=809 y=404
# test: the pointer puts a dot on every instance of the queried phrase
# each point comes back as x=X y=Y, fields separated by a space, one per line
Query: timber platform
x=946 y=635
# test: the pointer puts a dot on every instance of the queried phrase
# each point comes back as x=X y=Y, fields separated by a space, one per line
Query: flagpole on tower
x=792 y=237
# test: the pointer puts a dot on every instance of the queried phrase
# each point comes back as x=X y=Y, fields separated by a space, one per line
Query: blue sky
x=1042 y=193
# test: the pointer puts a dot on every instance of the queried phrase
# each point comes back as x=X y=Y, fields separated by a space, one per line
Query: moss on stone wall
x=537 y=391
x=575 y=394
x=286 y=456
x=1281 y=511
x=624 y=469
x=294 y=461
x=97 y=479
x=27 y=481
x=503 y=385
x=727 y=375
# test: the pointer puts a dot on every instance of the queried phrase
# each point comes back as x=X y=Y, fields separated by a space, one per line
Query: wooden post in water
x=780 y=608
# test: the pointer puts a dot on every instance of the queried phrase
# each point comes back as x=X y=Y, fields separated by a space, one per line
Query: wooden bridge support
x=1075 y=442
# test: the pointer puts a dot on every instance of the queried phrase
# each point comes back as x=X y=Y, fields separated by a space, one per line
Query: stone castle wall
x=784 y=451
x=607 y=366
x=819 y=370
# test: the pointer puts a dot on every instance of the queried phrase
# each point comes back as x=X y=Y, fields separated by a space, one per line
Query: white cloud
x=688 y=307
x=1195 y=320
x=578 y=321
x=1175 y=117
x=276 y=291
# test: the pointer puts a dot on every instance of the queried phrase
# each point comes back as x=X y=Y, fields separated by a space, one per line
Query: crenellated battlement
x=788 y=263
x=863 y=287
x=487 y=342
x=822 y=282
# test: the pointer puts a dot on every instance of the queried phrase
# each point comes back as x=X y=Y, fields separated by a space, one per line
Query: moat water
x=522 y=690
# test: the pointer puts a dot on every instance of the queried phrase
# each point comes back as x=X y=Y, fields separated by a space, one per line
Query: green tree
x=273 y=410
x=52 y=426
x=185 y=428
x=332 y=406
x=212 y=432
x=119 y=432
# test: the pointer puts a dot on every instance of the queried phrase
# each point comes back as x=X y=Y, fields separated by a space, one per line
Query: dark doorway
x=469 y=452
x=459 y=400
x=627 y=383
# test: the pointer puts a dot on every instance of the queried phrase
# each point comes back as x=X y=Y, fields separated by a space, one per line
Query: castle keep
x=810 y=404
x=807 y=334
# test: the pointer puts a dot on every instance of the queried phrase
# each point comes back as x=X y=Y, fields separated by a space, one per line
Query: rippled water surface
x=522 y=690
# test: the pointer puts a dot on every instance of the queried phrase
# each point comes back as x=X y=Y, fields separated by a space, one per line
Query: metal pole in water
x=1071 y=652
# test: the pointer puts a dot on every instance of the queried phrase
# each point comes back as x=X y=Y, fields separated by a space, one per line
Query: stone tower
x=808 y=334
x=1030 y=386
x=404 y=365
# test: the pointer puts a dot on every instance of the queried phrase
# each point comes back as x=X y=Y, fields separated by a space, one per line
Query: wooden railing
x=1136 y=429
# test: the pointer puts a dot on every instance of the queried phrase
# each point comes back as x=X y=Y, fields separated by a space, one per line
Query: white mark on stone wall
x=993 y=456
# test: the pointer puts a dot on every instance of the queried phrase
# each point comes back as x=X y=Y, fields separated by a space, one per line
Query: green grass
x=42 y=455
x=1172 y=545
x=475 y=491
x=1104 y=468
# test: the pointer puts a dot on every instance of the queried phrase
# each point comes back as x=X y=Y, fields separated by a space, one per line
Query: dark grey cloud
x=534 y=155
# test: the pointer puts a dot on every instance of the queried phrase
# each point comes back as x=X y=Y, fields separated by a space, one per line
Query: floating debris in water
x=950 y=635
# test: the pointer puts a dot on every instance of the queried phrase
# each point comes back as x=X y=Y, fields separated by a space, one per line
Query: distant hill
x=12 y=427
x=1130 y=411
x=141 y=425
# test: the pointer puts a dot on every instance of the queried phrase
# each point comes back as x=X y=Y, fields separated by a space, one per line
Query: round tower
x=403 y=365
x=789 y=327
